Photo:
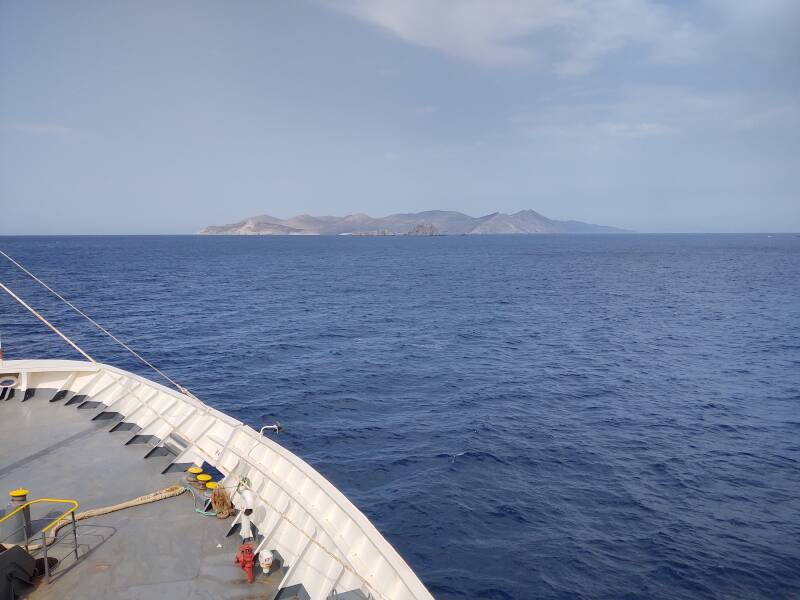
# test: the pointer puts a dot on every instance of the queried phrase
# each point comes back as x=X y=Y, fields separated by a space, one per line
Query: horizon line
x=339 y=235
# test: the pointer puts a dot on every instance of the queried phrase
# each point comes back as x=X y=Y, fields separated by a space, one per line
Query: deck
x=160 y=550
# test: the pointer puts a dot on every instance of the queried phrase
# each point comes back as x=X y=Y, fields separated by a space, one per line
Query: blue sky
x=163 y=117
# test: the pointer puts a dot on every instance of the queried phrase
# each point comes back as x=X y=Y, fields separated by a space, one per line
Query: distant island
x=431 y=222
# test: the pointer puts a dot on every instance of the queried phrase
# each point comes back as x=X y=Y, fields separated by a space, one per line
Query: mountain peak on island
x=434 y=222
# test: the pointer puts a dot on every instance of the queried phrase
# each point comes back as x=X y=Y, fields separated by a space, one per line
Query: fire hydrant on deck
x=245 y=559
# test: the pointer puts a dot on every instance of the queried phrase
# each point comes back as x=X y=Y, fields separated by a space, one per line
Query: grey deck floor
x=160 y=550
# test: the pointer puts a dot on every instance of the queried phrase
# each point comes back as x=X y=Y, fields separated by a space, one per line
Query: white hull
x=328 y=543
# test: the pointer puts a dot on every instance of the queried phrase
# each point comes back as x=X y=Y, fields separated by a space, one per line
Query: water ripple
x=523 y=417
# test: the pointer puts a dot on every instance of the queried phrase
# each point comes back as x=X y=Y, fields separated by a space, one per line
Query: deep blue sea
x=521 y=416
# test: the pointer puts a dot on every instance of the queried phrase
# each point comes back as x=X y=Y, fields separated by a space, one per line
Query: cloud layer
x=37 y=128
x=572 y=36
x=656 y=115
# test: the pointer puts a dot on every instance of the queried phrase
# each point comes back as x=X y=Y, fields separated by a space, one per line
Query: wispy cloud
x=569 y=35
x=486 y=31
x=425 y=110
x=572 y=36
x=636 y=129
x=639 y=112
x=38 y=128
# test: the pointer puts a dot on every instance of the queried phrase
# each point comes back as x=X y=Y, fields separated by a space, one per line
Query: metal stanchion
x=44 y=553
x=74 y=534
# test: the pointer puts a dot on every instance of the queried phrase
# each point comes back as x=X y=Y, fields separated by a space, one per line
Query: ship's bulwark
x=102 y=436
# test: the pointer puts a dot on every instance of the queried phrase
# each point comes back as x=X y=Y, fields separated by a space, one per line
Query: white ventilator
x=265 y=560
x=246 y=503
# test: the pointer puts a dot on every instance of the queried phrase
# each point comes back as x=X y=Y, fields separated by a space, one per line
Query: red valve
x=245 y=559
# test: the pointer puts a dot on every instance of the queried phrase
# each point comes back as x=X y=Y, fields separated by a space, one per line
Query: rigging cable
x=45 y=321
x=179 y=387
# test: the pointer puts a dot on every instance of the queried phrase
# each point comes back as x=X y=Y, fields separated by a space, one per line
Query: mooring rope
x=177 y=490
x=169 y=492
x=179 y=387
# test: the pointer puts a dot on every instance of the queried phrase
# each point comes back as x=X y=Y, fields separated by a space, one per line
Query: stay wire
x=178 y=386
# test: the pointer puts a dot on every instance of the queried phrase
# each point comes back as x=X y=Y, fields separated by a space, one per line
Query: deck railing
x=70 y=512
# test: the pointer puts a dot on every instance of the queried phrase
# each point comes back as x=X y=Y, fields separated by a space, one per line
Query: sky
x=164 y=117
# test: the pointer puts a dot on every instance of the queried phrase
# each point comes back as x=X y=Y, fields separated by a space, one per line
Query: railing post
x=74 y=534
x=44 y=554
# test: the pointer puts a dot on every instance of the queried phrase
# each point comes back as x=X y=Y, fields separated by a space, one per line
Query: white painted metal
x=326 y=541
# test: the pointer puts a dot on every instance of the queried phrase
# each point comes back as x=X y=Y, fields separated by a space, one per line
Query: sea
x=533 y=416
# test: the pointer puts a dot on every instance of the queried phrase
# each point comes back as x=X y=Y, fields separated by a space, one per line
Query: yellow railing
x=69 y=511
